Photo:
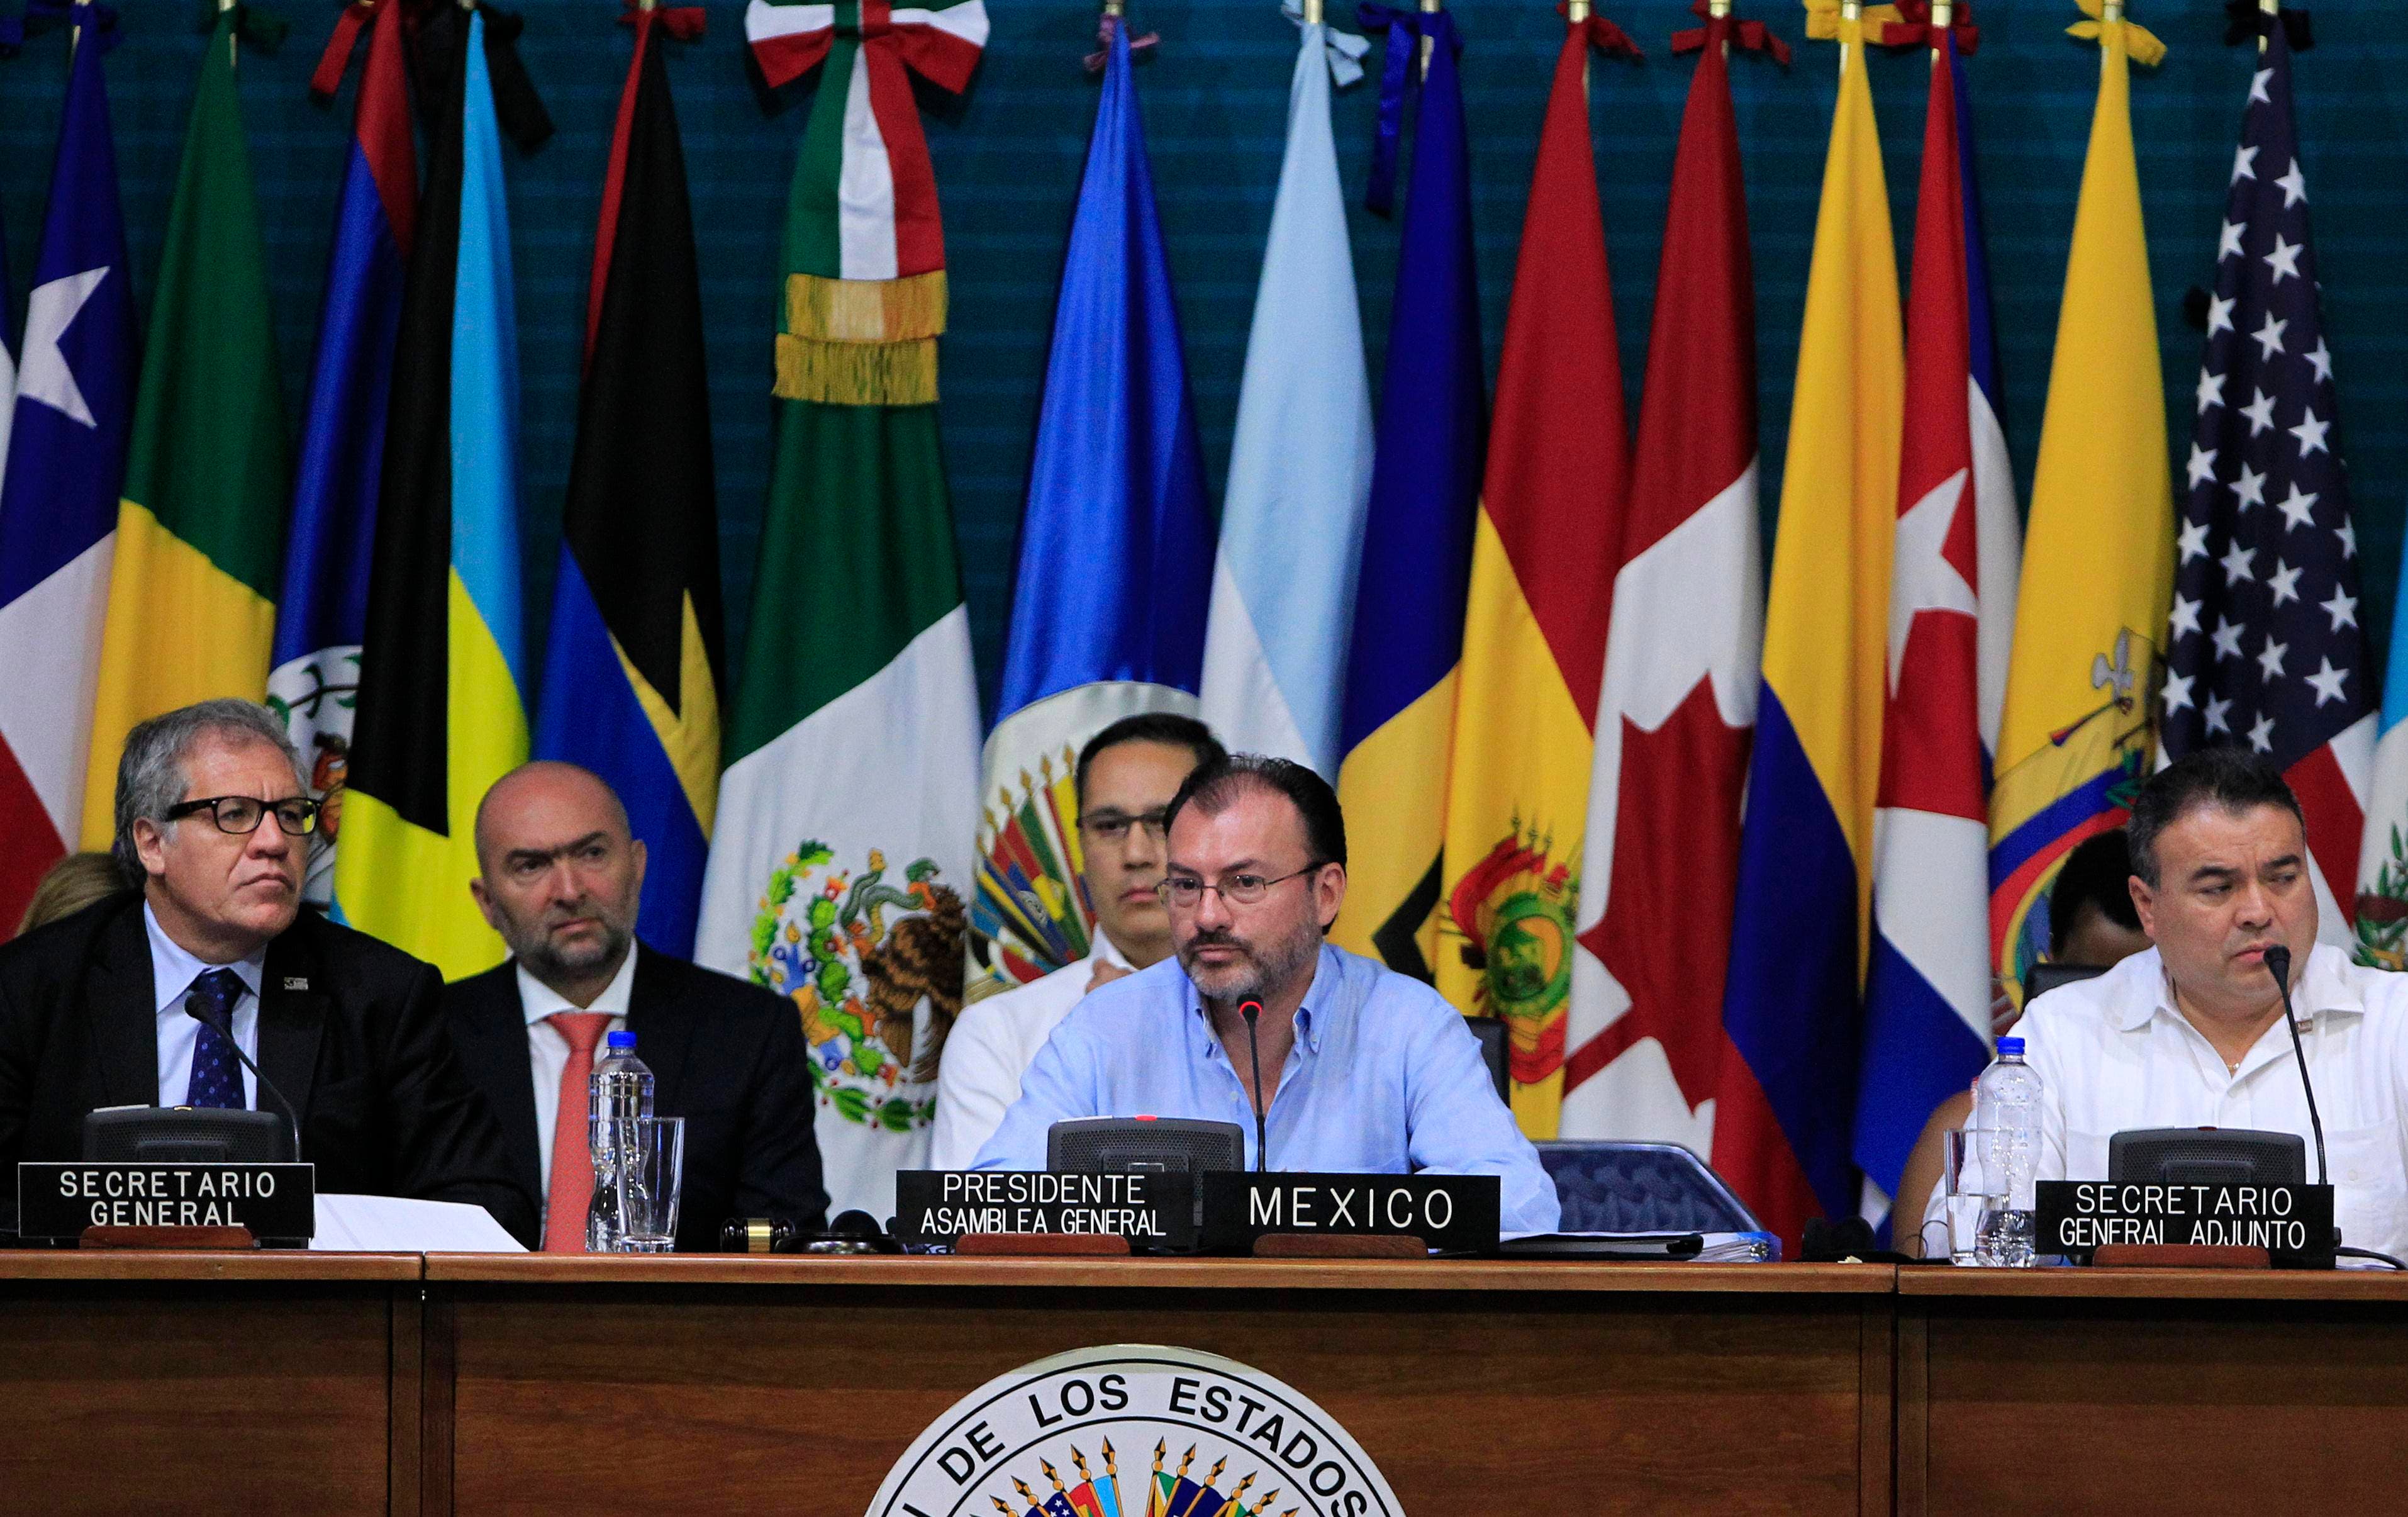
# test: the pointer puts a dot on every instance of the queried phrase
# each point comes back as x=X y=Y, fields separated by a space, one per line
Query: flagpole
x=1944 y=15
x=1720 y=9
x=1430 y=8
x=1575 y=11
x=2267 y=7
x=234 y=39
x=1313 y=12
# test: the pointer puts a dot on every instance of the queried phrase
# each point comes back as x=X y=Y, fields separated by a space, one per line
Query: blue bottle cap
x=2009 y=1047
x=627 y=1040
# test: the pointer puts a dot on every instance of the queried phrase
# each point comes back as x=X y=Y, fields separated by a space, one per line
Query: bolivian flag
x=443 y=710
x=200 y=532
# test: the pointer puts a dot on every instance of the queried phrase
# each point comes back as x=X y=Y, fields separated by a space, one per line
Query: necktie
x=572 y=1158
x=217 y=1074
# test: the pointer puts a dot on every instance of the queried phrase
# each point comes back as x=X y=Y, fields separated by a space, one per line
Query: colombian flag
x=2098 y=552
x=443 y=710
x=1542 y=562
x=1805 y=875
x=200 y=532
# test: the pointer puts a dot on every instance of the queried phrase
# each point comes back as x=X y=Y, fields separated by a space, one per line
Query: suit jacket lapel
x=492 y=1040
x=125 y=1010
x=663 y=1037
x=292 y=1009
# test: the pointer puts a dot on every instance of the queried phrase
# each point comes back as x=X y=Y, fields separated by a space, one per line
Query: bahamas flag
x=635 y=663
x=442 y=711
x=1400 y=674
x=1805 y=870
x=200 y=532
x=1547 y=543
x=2075 y=737
x=313 y=681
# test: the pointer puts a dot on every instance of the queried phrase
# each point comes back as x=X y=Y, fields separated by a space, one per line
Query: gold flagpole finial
x=1721 y=9
x=1576 y=12
x=1313 y=13
x=1943 y=16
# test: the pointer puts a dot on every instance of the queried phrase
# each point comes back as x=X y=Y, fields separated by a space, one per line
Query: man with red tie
x=561 y=875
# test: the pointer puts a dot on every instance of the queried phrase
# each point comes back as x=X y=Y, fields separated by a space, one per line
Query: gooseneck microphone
x=1251 y=1011
x=2278 y=963
x=225 y=1029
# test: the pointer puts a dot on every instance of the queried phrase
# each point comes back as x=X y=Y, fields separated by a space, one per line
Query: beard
x=548 y=963
x=1261 y=967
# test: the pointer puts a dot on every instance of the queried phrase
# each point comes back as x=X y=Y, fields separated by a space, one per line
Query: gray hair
x=154 y=773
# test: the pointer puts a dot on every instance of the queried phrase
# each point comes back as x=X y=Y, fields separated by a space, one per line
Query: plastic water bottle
x=621 y=1092
x=2006 y=1101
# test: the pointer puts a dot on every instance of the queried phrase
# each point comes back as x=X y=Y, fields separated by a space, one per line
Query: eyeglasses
x=1185 y=892
x=296 y=817
x=1112 y=826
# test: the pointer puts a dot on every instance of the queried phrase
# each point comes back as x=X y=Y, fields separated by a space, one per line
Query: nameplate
x=937 y=1205
x=60 y=1201
x=1451 y=1213
x=2293 y=1223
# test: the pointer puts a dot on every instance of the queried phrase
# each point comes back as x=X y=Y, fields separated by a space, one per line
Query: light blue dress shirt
x=1383 y=1079
x=173 y=970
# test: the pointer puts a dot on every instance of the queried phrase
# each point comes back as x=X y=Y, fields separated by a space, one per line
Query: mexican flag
x=849 y=805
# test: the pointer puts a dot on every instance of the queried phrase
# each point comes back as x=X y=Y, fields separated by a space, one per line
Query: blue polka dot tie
x=217 y=1076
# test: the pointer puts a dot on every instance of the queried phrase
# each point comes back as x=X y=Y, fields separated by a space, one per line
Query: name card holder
x=1351 y=1216
x=993 y=1212
x=178 y=1238
x=175 y=1204
x=2171 y=1225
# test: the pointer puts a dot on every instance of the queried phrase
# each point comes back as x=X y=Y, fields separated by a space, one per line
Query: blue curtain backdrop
x=1214 y=95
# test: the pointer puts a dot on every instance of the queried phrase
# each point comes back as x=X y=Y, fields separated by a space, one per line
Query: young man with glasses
x=1126 y=777
x=1361 y=1069
x=144 y=998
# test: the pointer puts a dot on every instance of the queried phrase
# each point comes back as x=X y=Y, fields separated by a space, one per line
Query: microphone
x=1251 y=1011
x=225 y=1029
x=2278 y=963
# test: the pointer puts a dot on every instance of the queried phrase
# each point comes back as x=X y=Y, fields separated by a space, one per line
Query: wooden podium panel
x=794 y=1384
x=2131 y=1392
x=254 y=1383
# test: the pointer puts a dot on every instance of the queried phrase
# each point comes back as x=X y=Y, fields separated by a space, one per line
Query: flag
x=1927 y=1029
x=2075 y=738
x=65 y=465
x=442 y=711
x=1398 y=713
x=1544 y=554
x=8 y=362
x=313 y=678
x=200 y=528
x=1300 y=468
x=845 y=818
x=1115 y=553
x=2263 y=646
x=636 y=659
x=1677 y=699
x=1799 y=931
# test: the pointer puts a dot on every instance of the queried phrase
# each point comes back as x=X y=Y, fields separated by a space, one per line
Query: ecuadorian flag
x=442 y=711
x=1783 y=1134
x=200 y=532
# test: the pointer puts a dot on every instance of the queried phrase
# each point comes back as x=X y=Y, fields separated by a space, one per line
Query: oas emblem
x=1135 y=1430
x=857 y=953
x=1029 y=914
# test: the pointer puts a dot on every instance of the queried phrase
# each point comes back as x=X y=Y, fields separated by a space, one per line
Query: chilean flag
x=1927 y=1030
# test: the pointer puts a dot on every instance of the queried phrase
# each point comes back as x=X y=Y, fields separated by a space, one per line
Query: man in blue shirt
x=1361 y=1069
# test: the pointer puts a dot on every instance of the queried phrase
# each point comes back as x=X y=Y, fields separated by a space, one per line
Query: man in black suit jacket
x=561 y=878
x=214 y=814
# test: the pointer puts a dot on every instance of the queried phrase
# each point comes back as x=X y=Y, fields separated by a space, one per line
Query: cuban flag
x=66 y=466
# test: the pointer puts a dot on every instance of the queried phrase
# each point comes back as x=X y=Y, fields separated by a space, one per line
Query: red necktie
x=572 y=1156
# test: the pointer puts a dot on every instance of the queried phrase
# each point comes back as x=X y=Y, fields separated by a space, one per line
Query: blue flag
x=1115 y=553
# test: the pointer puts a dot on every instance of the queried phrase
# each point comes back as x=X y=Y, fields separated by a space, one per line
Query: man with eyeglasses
x=1357 y=1068
x=129 y=1001
x=1125 y=779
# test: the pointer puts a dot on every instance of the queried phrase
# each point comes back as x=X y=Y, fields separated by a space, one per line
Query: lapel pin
x=297 y=982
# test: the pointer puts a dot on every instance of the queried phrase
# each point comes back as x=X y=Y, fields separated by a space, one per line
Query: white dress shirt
x=991 y=1045
x=2113 y=1054
x=172 y=973
x=547 y=1052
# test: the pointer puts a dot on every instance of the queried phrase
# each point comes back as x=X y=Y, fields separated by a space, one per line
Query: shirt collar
x=2326 y=989
x=1107 y=951
x=1307 y=1024
x=174 y=968
x=540 y=1001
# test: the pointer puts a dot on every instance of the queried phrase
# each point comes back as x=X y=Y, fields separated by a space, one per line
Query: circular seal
x=1135 y=1430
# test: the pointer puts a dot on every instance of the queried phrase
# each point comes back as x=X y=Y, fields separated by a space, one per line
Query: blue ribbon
x=15 y=29
x=1406 y=29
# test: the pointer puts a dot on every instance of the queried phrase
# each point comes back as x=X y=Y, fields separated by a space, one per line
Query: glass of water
x=1975 y=1186
x=651 y=1175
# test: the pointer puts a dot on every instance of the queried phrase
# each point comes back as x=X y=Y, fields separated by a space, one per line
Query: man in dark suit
x=561 y=875
x=129 y=1001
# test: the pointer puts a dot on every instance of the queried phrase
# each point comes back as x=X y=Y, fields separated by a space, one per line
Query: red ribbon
x=1095 y=60
x=683 y=22
x=1748 y=36
x=1603 y=35
x=1917 y=28
x=332 y=65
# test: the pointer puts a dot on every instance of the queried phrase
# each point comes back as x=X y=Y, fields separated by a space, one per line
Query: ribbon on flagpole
x=1746 y=35
x=1914 y=28
x=1406 y=31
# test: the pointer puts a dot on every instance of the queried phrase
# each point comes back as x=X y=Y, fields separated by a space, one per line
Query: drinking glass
x=653 y=1173
x=1974 y=1183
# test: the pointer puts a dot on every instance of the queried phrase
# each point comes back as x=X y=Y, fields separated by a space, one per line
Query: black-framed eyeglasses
x=1185 y=892
x=1112 y=826
x=241 y=814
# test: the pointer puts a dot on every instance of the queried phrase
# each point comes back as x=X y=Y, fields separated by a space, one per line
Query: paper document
x=395 y=1224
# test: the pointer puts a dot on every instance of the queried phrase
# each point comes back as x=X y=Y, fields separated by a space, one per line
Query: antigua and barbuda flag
x=637 y=657
x=442 y=705
x=200 y=528
x=1547 y=543
x=2076 y=735
x=1784 y=1134
x=314 y=679
x=842 y=853
x=1399 y=720
x=1115 y=553
x=1676 y=704
x=1927 y=1025
x=1300 y=468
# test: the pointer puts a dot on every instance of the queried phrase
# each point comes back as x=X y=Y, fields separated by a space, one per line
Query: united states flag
x=2265 y=645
